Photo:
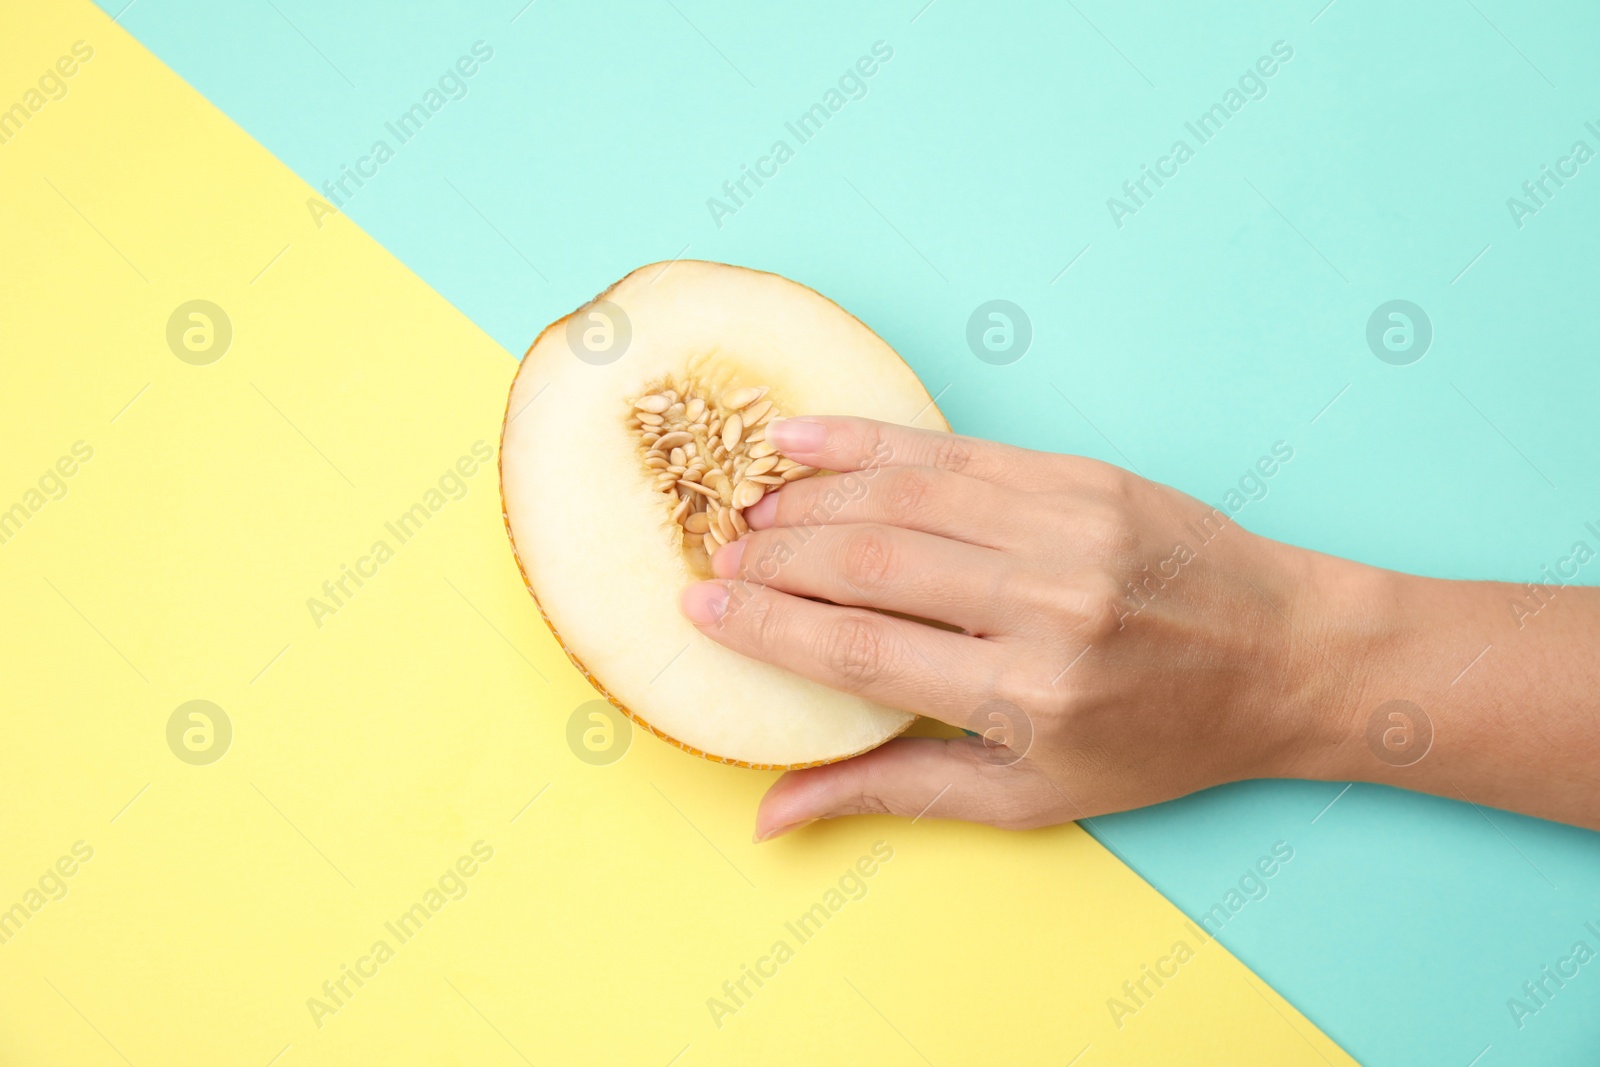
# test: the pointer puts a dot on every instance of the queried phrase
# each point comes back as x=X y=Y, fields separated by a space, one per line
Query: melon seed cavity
x=706 y=450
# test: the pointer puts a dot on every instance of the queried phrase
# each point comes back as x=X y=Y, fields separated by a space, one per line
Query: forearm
x=1506 y=677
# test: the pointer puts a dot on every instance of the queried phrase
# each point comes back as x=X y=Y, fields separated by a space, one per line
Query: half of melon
x=672 y=375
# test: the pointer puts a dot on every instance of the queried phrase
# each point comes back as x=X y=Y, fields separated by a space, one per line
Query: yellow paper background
x=372 y=751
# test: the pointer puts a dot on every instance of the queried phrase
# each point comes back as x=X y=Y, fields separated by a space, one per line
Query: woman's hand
x=1112 y=642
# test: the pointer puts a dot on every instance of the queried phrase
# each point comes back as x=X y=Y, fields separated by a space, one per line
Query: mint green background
x=1215 y=322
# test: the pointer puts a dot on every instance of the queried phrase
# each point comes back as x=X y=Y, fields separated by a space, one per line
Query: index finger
x=844 y=443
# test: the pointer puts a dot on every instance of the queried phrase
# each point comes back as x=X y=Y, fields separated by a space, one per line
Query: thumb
x=956 y=778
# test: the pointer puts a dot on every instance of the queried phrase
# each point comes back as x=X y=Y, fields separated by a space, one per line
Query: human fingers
x=881 y=567
x=890 y=661
x=844 y=443
x=916 y=777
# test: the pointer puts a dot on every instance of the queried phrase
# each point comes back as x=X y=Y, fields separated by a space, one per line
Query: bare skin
x=1116 y=643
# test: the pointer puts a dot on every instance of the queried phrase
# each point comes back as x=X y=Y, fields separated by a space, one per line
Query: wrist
x=1436 y=686
x=1344 y=622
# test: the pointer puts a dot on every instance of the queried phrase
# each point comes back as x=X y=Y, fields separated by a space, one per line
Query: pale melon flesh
x=596 y=538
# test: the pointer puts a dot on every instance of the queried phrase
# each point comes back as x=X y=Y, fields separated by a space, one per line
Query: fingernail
x=797 y=435
x=704 y=602
x=725 y=564
x=763 y=513
x=781 y=830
